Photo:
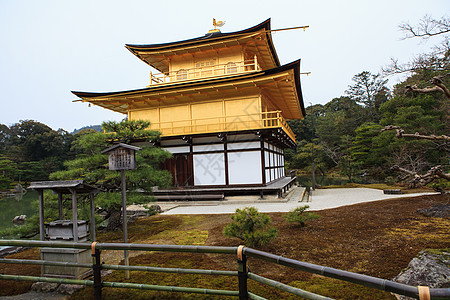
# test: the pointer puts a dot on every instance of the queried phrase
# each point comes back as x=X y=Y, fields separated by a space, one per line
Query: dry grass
x=377 y=239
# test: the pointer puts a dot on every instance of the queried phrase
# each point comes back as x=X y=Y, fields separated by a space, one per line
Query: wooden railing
x=272 y=119
x=205 y=72
x=243 y=274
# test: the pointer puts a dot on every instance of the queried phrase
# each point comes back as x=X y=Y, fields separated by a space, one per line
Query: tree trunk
x=114 y=220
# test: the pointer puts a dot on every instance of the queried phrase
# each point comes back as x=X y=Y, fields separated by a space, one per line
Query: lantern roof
x=121 y=145
x=63 y=186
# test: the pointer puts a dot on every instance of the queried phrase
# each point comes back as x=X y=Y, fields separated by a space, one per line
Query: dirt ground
x=377 y=239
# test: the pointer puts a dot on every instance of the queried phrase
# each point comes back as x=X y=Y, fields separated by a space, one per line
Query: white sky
x=49 y=48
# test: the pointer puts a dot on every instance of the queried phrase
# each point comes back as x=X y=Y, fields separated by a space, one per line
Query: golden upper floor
x=220 y=82
x=205 y=69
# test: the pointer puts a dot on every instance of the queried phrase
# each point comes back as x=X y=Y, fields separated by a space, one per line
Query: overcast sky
x=49 y=48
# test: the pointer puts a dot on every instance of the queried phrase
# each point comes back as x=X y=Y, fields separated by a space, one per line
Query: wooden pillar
x=242 y=275
x=74 y=215
x=124 y=221
x=60 y=206
x=263 y=162
x=91 y=198
x=225 y=153
x=41 y=215
x=97 y=270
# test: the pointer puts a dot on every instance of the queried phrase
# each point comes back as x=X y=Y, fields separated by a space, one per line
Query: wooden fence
x=242 y=273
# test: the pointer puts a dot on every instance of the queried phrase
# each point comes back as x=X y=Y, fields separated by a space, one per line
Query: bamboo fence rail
x=243 y=253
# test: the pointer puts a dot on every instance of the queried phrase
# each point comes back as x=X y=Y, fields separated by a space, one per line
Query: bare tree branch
x=437 y=81
x=439 y=86
x=400 y=134
x=333 y=153
x=413 y=178
x=426 y=28
x=437 y=59
x=421 y=180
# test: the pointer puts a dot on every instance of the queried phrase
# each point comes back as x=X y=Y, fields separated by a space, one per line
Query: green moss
x=142 y=229
x=338 y=289
x=445 y=251
x=185 y=237
x=420 y=229
x=191 y=220
x=443 y=255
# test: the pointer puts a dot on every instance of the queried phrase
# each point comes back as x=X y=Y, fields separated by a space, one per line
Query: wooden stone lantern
x=121 y=157
x=65 y=230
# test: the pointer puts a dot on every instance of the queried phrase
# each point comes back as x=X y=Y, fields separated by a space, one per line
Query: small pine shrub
x=251 y=226
x=389 y=180
x=299 y=216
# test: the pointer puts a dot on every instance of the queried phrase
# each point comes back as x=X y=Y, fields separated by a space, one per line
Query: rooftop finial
x=216 y=24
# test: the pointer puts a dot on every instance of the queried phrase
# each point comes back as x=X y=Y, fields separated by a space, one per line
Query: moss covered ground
x=377 y=239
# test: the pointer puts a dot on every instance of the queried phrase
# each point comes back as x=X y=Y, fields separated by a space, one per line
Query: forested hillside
x=30 y=150
x=391 y=135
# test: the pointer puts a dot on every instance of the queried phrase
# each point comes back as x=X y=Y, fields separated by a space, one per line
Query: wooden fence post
x=97 y=268
x=242 y=274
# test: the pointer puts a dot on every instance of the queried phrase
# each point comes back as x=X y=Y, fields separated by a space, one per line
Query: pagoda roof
x=283 y=82
x=258 y=38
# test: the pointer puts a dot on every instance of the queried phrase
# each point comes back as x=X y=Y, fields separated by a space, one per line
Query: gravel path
x=321 y=199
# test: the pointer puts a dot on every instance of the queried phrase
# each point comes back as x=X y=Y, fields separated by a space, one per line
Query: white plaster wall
x=181 y=149
x=209 y=169
x=169 y=143
x=245 y=167
x=247 y=145
x=212 y=147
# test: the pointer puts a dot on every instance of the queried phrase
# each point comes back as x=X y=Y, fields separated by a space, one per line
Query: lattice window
x=231 y=68
x=205 y=67
x=182 y=74
x=204 y=64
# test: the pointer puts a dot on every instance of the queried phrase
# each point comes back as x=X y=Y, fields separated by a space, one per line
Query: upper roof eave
x=206 y=38
x=295 y=66
x=211 y=37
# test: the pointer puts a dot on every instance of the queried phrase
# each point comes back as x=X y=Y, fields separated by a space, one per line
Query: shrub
x=389 y=180
x=299 y=216
x=251 y=226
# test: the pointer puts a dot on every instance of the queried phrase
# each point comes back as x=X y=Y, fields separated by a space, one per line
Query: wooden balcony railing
x=205 y=72
x=272 y=119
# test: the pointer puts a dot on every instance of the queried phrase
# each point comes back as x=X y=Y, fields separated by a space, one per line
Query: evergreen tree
x=369 y=90
x=92 y=166
x=7 y=171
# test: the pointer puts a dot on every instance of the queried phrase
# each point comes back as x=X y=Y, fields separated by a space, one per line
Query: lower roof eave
x=274 y=135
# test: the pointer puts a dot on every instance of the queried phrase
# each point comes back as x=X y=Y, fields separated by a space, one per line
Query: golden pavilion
x=221 y=102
